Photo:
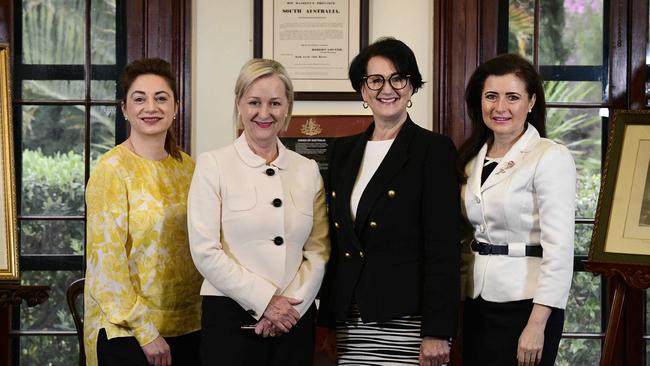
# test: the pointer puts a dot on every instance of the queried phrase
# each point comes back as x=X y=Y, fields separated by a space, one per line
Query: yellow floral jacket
x=140 y=280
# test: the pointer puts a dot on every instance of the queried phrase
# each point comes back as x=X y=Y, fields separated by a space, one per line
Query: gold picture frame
x=622 y=223
x=8 y=231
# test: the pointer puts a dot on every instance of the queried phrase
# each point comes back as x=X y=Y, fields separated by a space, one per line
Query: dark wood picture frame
x=258 y=26
x=621 y=178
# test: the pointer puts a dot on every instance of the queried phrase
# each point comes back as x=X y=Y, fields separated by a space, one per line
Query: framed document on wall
x=315 y=40
x=311 y=136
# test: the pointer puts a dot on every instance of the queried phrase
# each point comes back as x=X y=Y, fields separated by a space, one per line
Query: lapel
x=513 y=159
x=395 y=158
x=475 y=168
x=348 y=176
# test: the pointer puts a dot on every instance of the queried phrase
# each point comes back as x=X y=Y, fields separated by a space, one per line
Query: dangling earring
x=173 y=118
x=365 y=105
x=409 y=104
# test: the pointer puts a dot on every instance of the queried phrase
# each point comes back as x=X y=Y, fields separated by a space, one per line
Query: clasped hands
x=279 y=316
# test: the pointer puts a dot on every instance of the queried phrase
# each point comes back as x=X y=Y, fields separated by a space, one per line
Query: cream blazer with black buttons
x=529 y=199
x=232 y=225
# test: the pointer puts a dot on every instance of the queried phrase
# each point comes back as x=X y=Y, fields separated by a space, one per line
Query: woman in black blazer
x=392 y=284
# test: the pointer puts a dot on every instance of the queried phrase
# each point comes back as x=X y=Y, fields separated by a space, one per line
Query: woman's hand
x=326 y=342
x=531 y=343
x=531 y=340
x=266 y=329
x=434 y=351
x=281 y=313
x=157 y=352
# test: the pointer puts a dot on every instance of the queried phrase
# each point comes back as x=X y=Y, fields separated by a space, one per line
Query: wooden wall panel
x=162 y=28
x=465 y=34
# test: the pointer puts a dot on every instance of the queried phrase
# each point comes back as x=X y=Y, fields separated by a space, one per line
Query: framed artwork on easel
x=620 y=245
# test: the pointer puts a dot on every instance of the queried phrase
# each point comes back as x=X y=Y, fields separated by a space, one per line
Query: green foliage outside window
x=52 y=143
x=52 y=185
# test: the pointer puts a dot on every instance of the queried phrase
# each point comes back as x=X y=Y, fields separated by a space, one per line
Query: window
x=67 y=58
x=568 y=41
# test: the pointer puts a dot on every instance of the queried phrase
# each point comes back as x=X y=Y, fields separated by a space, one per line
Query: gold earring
x=409 y=104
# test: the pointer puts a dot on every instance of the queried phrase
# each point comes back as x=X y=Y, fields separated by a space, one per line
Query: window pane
x=580 y=131
x=53 y=32
x=49 y=350
x=583 y=313
x=52 y=185
x=578 y=352
x=521 y=21
x=102 y=34
x=53 y=89
x=583 y=238
x=51 y=237
x=103 y=89
x=573 y=91
x=54 y=313
x=102 y=130
x=53 y=129
x=571 y=32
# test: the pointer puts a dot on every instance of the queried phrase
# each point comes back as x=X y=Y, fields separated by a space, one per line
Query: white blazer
x=248 y=247
x=529 y=199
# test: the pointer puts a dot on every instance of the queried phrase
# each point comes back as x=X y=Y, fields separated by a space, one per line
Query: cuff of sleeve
x=145 y=334
x=260 y=297
x=551 y=303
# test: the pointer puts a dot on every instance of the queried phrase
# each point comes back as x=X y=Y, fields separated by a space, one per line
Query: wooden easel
x=631 y=275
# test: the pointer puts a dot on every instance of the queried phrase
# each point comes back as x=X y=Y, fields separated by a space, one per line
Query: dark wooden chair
x=75 y=290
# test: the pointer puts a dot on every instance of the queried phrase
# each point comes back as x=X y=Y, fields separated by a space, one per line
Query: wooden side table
x=12 y=294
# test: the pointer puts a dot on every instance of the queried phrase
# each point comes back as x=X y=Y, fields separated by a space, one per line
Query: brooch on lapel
x=509 y=165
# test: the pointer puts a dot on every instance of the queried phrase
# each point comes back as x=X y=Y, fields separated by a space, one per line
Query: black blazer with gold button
x=401 y=255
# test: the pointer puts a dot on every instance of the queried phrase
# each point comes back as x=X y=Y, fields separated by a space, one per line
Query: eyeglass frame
x=390 y=77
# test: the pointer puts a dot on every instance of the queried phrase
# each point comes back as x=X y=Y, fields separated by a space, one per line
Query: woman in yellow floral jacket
x=142 y=304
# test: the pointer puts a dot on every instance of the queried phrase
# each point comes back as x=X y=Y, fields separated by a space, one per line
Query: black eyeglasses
x=376 y=82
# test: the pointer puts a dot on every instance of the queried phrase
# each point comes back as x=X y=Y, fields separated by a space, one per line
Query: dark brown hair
x=158 y=67
x=500 y=65
x=394 y=50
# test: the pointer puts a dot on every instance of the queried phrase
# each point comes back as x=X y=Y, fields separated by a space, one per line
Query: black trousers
x=126 y=351
x=491 y=332
x=224 y=343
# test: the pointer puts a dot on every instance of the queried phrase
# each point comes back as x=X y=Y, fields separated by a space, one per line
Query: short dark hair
x=394 y=50
x=158 y=67
x=501 y=65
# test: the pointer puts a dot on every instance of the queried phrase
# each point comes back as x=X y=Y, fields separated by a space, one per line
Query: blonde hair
x=258 y=68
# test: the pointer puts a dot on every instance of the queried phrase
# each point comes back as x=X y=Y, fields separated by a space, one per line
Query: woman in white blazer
x=258 y=233
x=518 y=202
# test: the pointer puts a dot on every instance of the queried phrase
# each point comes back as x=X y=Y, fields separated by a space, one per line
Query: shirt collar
x=255 y=161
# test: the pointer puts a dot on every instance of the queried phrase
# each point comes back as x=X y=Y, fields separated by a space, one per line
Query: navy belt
x=491 y=249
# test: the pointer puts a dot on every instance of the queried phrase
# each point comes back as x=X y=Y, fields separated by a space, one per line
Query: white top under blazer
x=529 y=199
x=234 y=220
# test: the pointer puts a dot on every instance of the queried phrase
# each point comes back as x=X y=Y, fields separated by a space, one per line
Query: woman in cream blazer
x=258 y=233
x=518 y=202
